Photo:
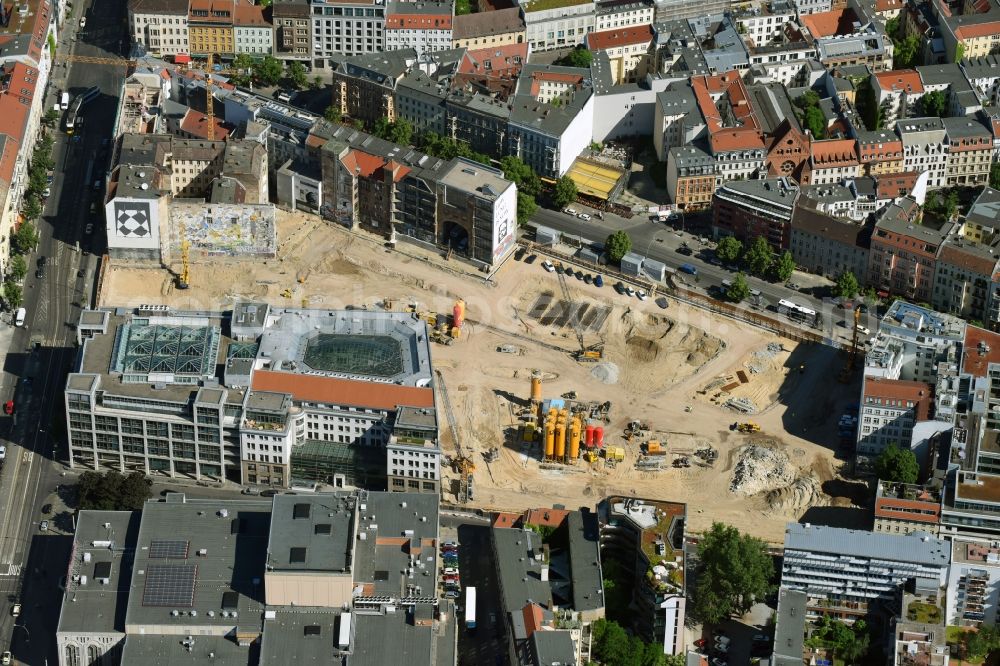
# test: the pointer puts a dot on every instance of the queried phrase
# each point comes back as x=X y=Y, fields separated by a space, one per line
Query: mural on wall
x=132 y=219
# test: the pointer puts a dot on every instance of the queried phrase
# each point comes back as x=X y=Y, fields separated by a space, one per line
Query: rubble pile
x=803 y=493
x=760 y=359
x=605 y=372
x=761 y=469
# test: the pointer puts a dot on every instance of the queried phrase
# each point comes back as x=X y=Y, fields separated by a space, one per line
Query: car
x=700 y=643
x=3 y=452
x=641 y=294
x=598 y=281
x=450 y=571
x=8 y=407
x=97 y=185
x=450 y=554
x=89 y=229
x=685 y=250
x=717 y=661
x=568 y=270
x=83 y=21
x=450 y=544
x=40 y=273
x=587 y=278
x=15 y=610
x=268 y=493
x=584 y=217
x=863 y=330
x=46 y=508
x=579 y=275
x=41 y=261
x=47 y=192
x=630 y=291
x=569 y=211
x=519 y=254
x=761 y=638
x=452 y=594
x=531 y=259
x=792 y=285
x=619 y=287
x=5 y=658
x=547 y=265
x=43 y=526
x=284 y=96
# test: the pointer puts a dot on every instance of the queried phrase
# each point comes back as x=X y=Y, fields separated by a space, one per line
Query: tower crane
x=184 y=281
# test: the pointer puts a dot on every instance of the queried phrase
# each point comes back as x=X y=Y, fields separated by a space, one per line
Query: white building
x=973 y=583
x=761 y=24
x=676 y=120
x=925 y=148
x=555 y=24
x=623 y=13
x=348 y=28
x=252 y=33
x=160 y=26
x=422 y=26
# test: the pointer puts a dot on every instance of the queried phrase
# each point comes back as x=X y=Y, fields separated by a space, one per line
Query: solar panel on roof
x=170 y=585
x=172 y=550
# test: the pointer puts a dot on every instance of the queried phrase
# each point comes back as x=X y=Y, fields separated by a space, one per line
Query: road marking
x=12 y=570
x=26 y=457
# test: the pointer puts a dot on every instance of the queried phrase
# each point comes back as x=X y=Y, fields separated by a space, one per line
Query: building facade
x=160 y=26
x=348 y=28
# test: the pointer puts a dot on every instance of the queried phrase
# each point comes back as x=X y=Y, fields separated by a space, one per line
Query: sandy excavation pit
x=659 y=361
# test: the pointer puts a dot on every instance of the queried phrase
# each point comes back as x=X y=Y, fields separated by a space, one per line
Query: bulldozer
x=748 y=427
x=463 y=465
x=591 y=354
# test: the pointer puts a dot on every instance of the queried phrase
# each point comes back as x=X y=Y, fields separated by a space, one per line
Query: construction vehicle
x=586 y=354
x=569 y=395
x=590 y=456
x=852 y=354
x=591 y=354
x=653 y=448
x=747 y=427
x=614 y=454
x=184 y=279
x=682 y=462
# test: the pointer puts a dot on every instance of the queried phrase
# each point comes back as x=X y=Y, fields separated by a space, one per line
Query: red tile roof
x=350 y=392
x=834 y=153
x=19 y=82
x=611 y=39
x=978 y=30
x=195 y=123
x=735 y=139
x=902 y=80
x=827 y=24
x=892 y=185
x=250 y=16
x=506 y=519
x=549 y=517
x=533 y=618
x=975 y=359
x=888 y=5
x=919 y=393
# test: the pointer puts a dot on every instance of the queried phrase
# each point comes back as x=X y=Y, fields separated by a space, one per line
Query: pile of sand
x=801 y=494
x=605 y=372
x=760 y=469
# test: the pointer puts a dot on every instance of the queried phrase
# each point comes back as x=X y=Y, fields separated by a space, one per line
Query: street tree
x=18 y=267
x=31 y=208
x=565 y=192
x=298 y=75
x=24 y=239
x=12 y=294
x=759 y=257
x=618 y=245
x=729 y=249
x=522 y=175
x=847 y=285
x=784 y=266
x=896 y=464
x=526 y=207
x=734 y=572
x=739 y=289
x=51 y=117
x=267 y=71
x=112 y=492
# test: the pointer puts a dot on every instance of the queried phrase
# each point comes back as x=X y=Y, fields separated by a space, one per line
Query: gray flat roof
x=553 y=647
x=789 y=629
x=285 y=641
x=409 y=516
x=584 y=561
x=916 y=547
x=520 y=573
x=170 y=651
x=233 y=535
x=312 y=532
x=105 y=537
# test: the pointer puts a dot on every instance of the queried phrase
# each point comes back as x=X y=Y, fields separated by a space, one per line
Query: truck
x=470 y=607
x=64 y=101
x=688 y=268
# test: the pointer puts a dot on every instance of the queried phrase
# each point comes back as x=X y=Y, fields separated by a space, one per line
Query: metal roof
x=916 y=547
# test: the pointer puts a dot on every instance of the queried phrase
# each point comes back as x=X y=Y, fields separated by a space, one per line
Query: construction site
x=554 y=390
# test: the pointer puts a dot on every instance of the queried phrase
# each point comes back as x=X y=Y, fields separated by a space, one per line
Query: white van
x=20 y=316
x=64 y=101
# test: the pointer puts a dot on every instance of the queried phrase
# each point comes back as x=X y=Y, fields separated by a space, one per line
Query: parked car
x=685 y=250
x=15 y=610
x=569 y=211
x=598 y=281
x=450 y=571
x=584 y=217
x=83 y=21
x=531 y=259
x=619 y=287
x=630 y=291
x=641 y=294
x=43 y=526
x=5 y=658
x=547 y=265
x=863 y=330
x=8 y=408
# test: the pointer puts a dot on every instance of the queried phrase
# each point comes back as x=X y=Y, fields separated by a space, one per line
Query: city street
x=660 y=242
x=41 y=352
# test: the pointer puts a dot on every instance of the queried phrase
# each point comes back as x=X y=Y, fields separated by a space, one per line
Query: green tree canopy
x=526 y=207
x=815 y=122
x=995 y=176
x=847 y=285
x=565 y=191
x=333 y=114
x=896 y=464
x=784 y=266
x=759 y=256
x=267 y=70
x=12 y=294
x=578 y=57
x=522 y=175
x=934 y=103
x=401 y=132
x=906 y=51
x=808 y=99
x=113 y=492
x=24 y=239
x=618 y=245
x=734 y=571
x=18 y=267
x=739 y=289
x=850 y=643
x=298 y=75
x=729 y=249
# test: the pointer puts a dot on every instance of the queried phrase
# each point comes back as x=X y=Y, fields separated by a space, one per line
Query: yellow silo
x=574 y=439
x=550 y=438
x=560 y=451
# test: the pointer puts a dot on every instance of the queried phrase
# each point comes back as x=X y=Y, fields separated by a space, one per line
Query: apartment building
x=761 y=25
x=879 y=153
x=832 y=161
x=890 y=408
x=970 y=35
x=499 y=27
x=292 y=29
x=896 y=93
x=751 y=208
x=555 y=24
x=646 y=539
x=252 y=32
x=210 y=28
x=902 y=508
x=848 y=573
x=623 y=14
x=973 y=583
x=970 y=152
x=690 y=177
x=828 y=245
x=160 y=26
x=903 y=251
x=309 y=412
x=925 y=148
x=363 y=85
x=629 y=50
x=676 y=121
x=346 y=28
x=421 y=26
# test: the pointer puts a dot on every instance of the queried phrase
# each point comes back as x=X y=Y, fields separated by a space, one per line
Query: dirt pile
x=798 y=496
x=642 y=349
x=760 y=469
